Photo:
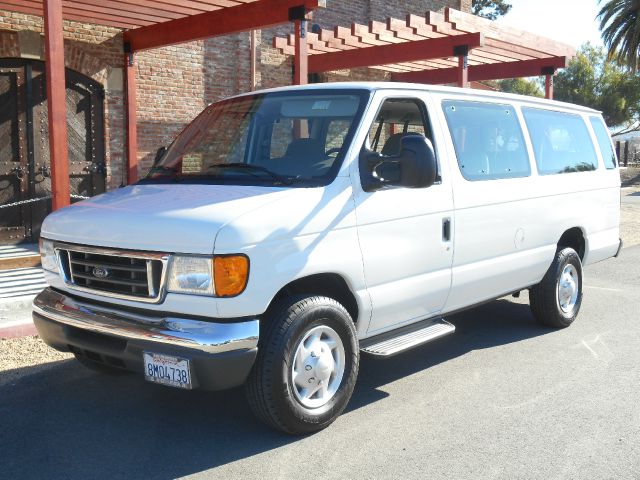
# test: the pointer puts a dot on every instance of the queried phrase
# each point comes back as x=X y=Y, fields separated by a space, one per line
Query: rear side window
x=604 y=142
x=561 y=142
x=488 y=140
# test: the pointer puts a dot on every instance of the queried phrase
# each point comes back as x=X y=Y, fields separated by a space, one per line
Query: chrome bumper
x=205 y=337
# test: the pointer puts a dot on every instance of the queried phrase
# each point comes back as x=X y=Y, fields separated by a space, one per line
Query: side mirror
x=159 y=154
x=414 y=167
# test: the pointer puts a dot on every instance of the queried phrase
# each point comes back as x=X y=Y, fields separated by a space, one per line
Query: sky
x=568 y=21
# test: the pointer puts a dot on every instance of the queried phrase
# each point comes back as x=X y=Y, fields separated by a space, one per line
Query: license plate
x=167 y=370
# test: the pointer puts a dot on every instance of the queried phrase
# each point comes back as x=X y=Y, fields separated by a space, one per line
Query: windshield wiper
x=159 y=172
x=162 y=169
x=256 y=168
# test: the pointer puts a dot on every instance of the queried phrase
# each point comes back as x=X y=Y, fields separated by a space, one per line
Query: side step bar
x=404 y=338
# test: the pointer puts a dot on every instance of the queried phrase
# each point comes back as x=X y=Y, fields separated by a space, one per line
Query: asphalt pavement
x=501 y=398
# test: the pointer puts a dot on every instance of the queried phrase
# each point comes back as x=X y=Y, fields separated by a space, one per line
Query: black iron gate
x=25 y=185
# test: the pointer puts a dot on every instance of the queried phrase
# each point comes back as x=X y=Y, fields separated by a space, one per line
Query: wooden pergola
x=148 y=24
x=439 y=48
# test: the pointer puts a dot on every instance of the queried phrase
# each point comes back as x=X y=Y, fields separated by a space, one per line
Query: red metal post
x=463 y=71
x=548 y=86
x=131 y=119
x=56 y=102
x=300 y=60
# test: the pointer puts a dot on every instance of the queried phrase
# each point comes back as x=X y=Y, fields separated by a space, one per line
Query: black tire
x=544 y=297
x=99 y=367
x=269 y=387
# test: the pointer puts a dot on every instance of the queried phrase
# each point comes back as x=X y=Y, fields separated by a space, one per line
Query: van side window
x=488 y=140
x=397 y=117
x=561 y=141
x=604 y=142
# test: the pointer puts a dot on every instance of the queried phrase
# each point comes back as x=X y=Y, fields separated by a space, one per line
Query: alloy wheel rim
x=318 y=367
x=567 y=291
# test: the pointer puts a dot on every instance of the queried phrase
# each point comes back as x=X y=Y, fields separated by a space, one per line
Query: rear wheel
x=306 y=367
x=556 y=300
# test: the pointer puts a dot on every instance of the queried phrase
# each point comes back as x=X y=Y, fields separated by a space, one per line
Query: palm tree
x=620 y=28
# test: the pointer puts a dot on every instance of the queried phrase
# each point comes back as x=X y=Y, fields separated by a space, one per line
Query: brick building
x=173 y=86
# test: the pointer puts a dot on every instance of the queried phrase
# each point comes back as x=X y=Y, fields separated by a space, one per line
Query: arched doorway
x=24 y=144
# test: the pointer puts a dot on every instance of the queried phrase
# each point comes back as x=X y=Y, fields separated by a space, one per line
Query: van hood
x=181 y=218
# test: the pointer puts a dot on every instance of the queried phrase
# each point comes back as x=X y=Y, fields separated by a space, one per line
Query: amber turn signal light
x=230 y=274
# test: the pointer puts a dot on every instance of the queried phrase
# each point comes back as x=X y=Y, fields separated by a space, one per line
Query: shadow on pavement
x=69 y=422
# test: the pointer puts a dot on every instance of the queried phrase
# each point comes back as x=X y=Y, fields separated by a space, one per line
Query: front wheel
x=306 y=367
x=556 y=300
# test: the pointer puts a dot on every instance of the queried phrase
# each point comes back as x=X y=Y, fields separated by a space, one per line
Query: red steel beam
x=490 y=71
x=131 y=118
x=241 y=18
x=56 y=102
x=429 y=48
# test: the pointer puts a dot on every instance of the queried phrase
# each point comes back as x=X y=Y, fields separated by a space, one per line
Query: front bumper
x=221 y=354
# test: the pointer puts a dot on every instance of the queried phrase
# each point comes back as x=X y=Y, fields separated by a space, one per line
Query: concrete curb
x=23 y=329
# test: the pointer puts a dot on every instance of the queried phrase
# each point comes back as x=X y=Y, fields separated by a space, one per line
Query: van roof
x=430 y=88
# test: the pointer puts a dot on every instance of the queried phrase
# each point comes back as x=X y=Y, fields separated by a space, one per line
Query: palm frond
x=620 y=30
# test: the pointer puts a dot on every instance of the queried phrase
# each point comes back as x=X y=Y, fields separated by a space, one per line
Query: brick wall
x=175 y=83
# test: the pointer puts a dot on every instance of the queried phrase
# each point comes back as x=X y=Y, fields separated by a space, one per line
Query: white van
x=285 y=231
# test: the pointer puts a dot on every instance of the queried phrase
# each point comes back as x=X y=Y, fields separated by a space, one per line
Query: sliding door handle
x=446 y=229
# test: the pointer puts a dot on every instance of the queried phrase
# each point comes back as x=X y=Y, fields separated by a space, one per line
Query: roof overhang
x=426 y=48
x=157 y=23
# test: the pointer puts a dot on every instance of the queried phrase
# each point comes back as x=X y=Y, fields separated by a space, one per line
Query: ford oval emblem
x=100 y=272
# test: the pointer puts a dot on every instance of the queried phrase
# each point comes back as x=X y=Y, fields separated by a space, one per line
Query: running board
x=407 y=337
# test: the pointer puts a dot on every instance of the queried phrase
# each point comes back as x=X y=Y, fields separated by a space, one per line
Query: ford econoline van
x=286 y=231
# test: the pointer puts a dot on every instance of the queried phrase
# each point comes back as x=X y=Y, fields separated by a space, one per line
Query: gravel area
x=25 y=356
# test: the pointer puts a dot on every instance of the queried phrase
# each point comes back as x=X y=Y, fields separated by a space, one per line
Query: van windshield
x=280 y=138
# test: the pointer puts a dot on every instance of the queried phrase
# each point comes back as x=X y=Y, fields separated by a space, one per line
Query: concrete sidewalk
x=18 y=287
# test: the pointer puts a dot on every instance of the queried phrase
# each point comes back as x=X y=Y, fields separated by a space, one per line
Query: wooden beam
x=300 y=59
x=24 y=7
x=241 y=18
x=131 y=118
x=56 y=103
x=463 y=21
x=394 y=53
x=491 y=71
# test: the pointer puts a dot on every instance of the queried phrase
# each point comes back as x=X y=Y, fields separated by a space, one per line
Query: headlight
x=190 y=275
x=196 y=275
x=48 y=257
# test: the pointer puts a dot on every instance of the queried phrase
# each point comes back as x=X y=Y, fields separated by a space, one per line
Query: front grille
x=119 y=273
